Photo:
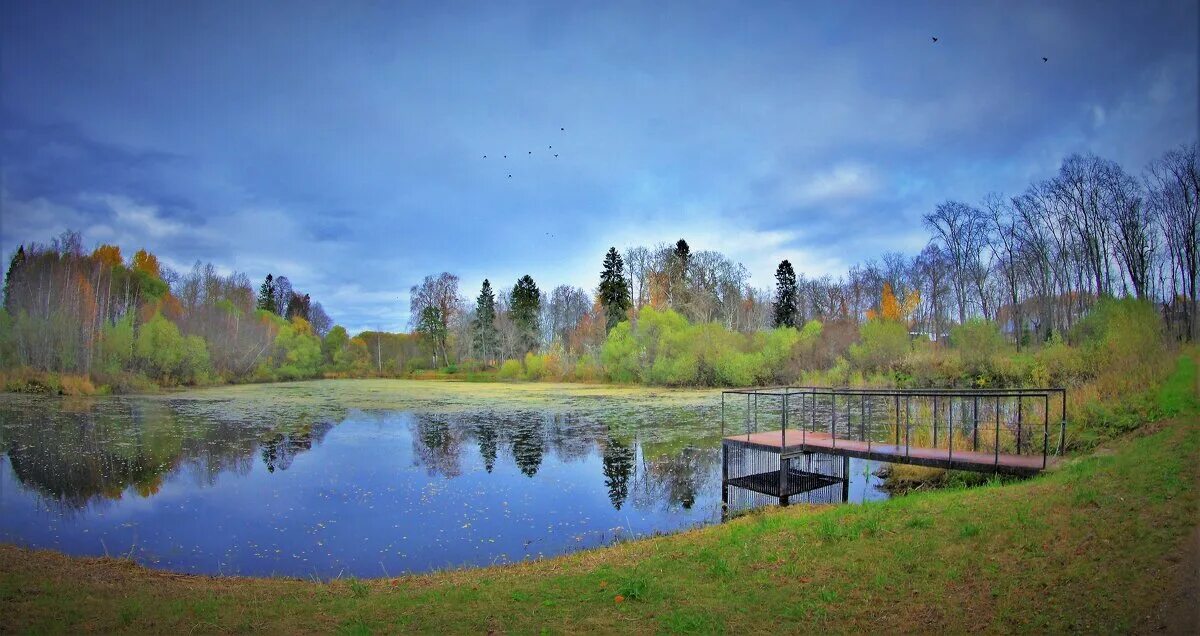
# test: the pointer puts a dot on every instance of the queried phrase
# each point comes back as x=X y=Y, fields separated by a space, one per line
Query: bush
x=977 y=342
x=168 y=357
x=883 y=345
x=510 y=370
x=298 y=351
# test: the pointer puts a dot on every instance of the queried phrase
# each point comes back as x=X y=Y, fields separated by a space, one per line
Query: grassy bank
x=1090 y=547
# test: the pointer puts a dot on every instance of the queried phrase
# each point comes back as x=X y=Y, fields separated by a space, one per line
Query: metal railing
x=999 y=420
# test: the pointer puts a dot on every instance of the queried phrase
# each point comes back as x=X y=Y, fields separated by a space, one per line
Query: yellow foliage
x=108 y=255
x=147 y=263
x=890 y=307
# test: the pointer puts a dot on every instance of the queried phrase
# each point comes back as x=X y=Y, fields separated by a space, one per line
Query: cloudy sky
x=342 y=143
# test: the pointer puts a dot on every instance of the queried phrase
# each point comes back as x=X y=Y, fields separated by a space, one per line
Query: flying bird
x=556 y=154
x=1045 y=59
x=935 y=39
x=485 y=156
x=562 y=128
x=531 y=152
x=506 y=156
x=510 y=176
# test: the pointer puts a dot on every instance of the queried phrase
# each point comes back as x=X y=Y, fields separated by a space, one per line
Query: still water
x=320 y=489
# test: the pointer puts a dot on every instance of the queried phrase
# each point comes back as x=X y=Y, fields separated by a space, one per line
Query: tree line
x=1031 y=264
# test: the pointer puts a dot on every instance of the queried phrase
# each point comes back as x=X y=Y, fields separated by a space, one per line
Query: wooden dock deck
x=798 y=442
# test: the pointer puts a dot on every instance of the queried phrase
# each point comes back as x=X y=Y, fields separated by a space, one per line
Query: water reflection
x=365 y=494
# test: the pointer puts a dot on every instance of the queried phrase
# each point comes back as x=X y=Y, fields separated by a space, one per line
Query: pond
x=360 y=477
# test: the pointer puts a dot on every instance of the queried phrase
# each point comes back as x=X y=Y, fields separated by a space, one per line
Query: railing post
x=1020 y=417
x=1062 y=427
x=862 y=417
x=950 y=432
x=898 y=419
x=975 y=427
x=783 y=434
x=748 y=417
x=907 y=423
x=833 y=415
x=935 y=419
x=1046 y=430
x=997 y=448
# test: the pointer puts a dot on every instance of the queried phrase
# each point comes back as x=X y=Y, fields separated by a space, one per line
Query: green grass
x=1086 y=548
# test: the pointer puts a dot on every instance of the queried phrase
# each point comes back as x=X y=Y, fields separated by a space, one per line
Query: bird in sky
x=506 y=156
x=531 y=152
x=485 y=156
x=1045 y=59
x=562 y=128
x=935 y=39
x=510 y=176
x=555 y=154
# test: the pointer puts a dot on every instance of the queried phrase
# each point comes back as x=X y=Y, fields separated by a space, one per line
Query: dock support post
x=784 y=463
x=724 y=479
x=722 y=415
x=845 y=478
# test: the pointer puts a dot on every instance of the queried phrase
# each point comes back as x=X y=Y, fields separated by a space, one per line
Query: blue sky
x=341 y=143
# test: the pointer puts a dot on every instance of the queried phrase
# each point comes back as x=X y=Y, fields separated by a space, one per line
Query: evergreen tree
x=266 y=294
x=525 y=305
x=677 y=275
x=786 y=296
x=682 y=253
x=12 y=277
x=486 y=341
x=614 y=289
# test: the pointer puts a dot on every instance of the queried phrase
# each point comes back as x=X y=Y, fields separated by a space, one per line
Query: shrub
x=977 y=342
x=883 y=345
x=510 y=370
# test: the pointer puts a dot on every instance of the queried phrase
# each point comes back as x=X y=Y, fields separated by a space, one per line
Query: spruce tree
x=786 y=296
x=677 y=275
x=486 y=341
x=12 y=278
x=266 y=294
x=525 y=305
x=614 y=289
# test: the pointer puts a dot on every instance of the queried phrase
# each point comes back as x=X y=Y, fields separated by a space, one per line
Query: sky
x=342 y=143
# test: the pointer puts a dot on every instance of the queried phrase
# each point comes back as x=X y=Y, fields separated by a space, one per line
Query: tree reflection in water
x=102 y=449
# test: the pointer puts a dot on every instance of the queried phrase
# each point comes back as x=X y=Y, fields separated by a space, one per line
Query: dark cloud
x=344 y=143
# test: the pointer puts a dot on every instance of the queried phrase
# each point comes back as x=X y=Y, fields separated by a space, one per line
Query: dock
x=797 y=441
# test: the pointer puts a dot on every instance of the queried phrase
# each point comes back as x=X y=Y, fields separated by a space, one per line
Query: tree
x=614 y=289
x=298 y=306
x=677 y=274
x=441 y=293
x=525 y=304
x=786 y=295
x=283 y=294
x=486 y=342
x=12 y=277
x=266 y=295
x=432 y=328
